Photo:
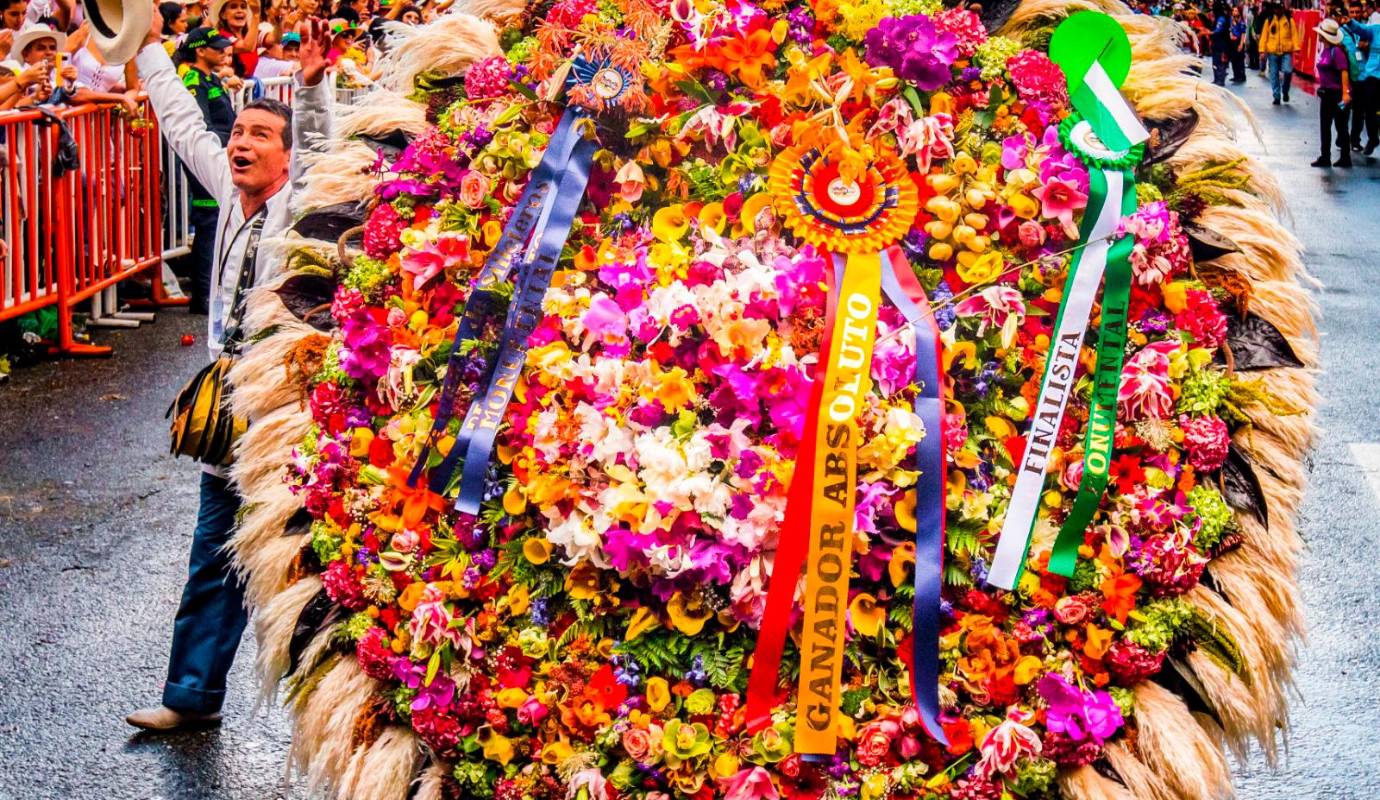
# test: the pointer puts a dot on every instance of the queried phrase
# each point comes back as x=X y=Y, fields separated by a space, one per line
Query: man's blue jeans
x=1281 y=67
x=211 y=618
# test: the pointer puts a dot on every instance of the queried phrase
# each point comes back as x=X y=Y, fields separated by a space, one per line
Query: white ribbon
x=1048 y=414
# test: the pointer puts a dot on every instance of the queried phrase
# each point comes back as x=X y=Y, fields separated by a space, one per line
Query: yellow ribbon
x=846 y=379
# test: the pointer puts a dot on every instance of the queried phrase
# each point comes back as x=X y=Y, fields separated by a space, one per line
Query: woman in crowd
x=239 y=20
x=1334 y=94
x=92 y=69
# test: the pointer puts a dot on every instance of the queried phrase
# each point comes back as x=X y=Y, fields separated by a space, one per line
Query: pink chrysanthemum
x=488 y=78
x=1037 y=79
x=1206 y=439
x=383 y=231
x=1130 y=663
x=342 y=586
x=375 y=657
x=569 y=13
x=965 y=25
x=1202 y=318
x=441 y=732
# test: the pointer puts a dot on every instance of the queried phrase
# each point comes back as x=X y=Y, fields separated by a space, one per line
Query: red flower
x=1127 y=473
x=604 y=690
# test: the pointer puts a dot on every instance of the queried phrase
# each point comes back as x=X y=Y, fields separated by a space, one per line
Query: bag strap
x=248 y=267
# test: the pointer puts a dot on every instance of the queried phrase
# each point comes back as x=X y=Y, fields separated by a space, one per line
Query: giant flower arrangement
x=589 y=632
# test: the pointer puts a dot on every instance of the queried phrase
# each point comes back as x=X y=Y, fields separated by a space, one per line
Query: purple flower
x=1078 y=714
x=913 y=49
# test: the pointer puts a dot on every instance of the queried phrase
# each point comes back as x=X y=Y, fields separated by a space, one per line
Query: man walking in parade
x=251 y=178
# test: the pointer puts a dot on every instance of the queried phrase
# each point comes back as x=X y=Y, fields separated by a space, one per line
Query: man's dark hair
x=277 y=109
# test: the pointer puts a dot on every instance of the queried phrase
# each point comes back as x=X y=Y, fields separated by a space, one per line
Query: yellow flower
x=537 y=550
x=513 y=501
x=687 y=615
x=866 y=614
x=675 y=390
x=643 y=620
x=1176 y=296
x=712 y=217
x=556 y=752
x=1023 y=206
x=724 y=766
x=511 y=697
x=411 y=596
x=903 y=556
x=583 y=581
x=518 y=600
x=1027 y=670
x=874 y=786
x=983 y=269
x=498 y=747
x=670 y=224
x=752 y=212
x=658 y=694
x=492 y=231
x=359 y=442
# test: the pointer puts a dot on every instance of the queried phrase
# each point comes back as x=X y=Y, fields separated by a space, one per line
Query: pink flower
x=1059 y=197
x=434 y=258
x=474 y=188
x=1004 y=745
x=630 y=181
x=997 y=307
x=1202 y=318
x=929 y=139
x=432 y=618
x=1038 y=79
x=1206 y=439
x=1031 y=233
x=605 y=322
x=966 y=26
x=1145 y=391
x=751 y=784
x=874 y=742
x=488 y=78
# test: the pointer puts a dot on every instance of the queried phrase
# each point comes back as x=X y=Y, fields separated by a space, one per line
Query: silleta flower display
x=662 y=377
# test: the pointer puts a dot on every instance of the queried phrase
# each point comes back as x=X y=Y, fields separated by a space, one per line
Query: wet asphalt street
x=95 y=520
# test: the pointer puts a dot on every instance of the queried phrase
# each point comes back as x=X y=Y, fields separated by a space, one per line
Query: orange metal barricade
x=73 y=236
x=29 y=280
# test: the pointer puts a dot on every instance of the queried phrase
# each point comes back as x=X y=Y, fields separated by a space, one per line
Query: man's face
x=215 y=57
x=13 y=15
x=1358 y=13
x=290 y=51
x=39 y=50
x=257 y=156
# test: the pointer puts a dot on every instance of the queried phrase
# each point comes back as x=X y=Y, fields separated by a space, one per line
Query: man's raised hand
x=316 y=40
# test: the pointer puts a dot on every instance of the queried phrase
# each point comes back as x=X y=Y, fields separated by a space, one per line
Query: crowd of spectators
x=47 y=58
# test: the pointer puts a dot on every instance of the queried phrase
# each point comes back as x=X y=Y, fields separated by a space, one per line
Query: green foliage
x=1217 y=517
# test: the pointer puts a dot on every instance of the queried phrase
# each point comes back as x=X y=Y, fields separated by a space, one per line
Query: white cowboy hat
x=32 y=33
x=1329 y=31
x=118 y=27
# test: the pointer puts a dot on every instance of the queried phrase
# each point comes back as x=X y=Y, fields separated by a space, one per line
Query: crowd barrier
x=121 y=208
x=82 y=211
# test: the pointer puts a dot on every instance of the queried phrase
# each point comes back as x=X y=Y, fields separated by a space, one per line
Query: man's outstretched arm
x=313 y=98
x=179 y=117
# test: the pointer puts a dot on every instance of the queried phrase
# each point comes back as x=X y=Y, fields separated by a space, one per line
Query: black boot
x=1322 y=161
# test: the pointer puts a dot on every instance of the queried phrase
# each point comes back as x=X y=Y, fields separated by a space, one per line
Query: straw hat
x=1329 y=31
x=118 y=27
x=32 y=33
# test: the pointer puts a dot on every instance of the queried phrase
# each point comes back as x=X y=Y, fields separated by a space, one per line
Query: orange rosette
x=820 y=203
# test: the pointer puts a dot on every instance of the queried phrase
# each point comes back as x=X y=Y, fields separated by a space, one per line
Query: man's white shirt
x=181 y=122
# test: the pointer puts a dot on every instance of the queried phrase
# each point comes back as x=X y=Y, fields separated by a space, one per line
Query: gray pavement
x=95 y=519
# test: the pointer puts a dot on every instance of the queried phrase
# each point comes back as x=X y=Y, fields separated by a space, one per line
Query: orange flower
x=749 y=57
x=416 y=501
x=1120 y=593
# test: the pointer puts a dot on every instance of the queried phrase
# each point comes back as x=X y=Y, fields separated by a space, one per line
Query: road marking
x=1367 y=457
